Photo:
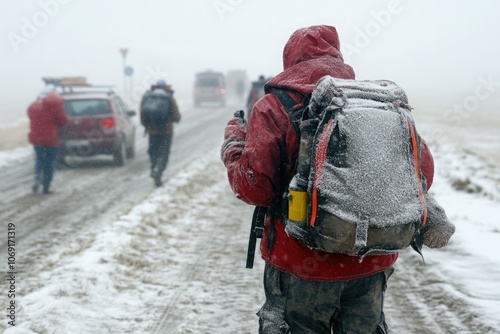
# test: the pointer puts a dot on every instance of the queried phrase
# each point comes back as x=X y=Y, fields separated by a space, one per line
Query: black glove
x=240 y=115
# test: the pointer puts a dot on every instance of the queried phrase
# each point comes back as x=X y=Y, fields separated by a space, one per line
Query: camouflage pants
x=345 y=307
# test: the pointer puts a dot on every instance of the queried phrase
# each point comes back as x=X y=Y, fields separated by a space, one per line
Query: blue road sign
x=128 y=70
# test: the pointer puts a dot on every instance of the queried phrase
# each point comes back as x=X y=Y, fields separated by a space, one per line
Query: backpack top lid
x=331 y=93
x=158 y=92
x=155 y=100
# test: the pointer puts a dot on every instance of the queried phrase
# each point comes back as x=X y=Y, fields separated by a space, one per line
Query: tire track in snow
x=422 y=300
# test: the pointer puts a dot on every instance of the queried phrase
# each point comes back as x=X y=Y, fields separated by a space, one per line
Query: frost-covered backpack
x=358 y=189
x=156 y=108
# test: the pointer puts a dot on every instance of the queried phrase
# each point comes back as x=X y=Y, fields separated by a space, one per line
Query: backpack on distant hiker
x=156 y=108
x=358 y=188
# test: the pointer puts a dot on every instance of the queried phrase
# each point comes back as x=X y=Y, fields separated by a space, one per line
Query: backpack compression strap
x=320 y=166
x=417 y=171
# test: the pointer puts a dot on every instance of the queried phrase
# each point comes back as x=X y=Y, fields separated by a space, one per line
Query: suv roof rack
x=70 y=85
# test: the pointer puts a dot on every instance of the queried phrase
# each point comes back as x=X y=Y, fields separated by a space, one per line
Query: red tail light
x=108 y=124
x=222 y=91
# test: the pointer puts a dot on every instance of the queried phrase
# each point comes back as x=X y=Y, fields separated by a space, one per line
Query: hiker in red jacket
x=46 y=116
x=306 y=290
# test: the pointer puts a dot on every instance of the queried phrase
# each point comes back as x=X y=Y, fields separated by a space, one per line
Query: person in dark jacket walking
x=307 y=290
x=160 y=137
x=256 y=92
x=46 y=116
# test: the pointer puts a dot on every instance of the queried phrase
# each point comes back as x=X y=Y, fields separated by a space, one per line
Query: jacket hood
x=310 y=54
x=311 y=43
x=52 y=100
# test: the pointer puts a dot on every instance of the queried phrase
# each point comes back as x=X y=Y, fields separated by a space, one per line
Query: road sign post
x=124 y=52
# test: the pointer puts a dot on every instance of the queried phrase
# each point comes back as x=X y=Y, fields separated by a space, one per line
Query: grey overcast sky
x=437 y=50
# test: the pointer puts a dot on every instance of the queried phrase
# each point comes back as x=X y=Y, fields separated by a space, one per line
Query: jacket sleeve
x=141 y=114
x=255 y=165
x=176 y=115
x=427 y=163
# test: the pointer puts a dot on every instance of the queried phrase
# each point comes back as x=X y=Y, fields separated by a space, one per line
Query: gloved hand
x=234 y=136
x=437 y=236
x=438 y=230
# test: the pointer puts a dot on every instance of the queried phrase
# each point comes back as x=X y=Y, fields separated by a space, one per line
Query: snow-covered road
x=109 y=253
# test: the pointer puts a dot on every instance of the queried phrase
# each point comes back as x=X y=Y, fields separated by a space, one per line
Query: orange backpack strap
x=417 y=170
x=320 y=166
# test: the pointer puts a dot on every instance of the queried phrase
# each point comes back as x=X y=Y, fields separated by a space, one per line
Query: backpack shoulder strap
x=289 y=104
x=295 y=113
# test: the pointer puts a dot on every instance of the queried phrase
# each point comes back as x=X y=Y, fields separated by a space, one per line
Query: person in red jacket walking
x=307 y=291
x=46 y=116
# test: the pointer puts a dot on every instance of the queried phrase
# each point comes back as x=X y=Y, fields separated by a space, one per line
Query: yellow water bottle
x=297 y=193
x=297 y=205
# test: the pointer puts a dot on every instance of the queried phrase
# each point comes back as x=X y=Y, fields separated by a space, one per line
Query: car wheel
x=61 y=161
x=130 y=152
x=120 y=154
x=131 y=149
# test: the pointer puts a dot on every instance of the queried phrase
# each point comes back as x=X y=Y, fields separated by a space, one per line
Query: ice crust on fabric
x=378 y=180
x=382 y=186
x=332 y=93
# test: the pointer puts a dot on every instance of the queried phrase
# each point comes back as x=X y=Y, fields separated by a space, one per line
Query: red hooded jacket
x=256 y=172
x=46 y=116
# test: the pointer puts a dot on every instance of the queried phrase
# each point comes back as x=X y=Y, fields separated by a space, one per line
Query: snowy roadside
x=469 y=189
x=459 y=284
x=17 y=154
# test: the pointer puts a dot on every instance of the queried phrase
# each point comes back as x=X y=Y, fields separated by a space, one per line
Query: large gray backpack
x=358 y=189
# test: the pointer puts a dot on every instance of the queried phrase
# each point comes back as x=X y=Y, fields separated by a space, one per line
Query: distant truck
x=256 y=92
x=209 y=87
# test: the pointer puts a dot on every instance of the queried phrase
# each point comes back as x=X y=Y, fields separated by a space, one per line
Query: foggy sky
x=439 y=52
